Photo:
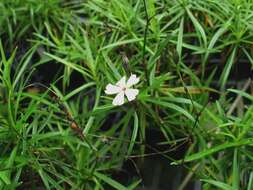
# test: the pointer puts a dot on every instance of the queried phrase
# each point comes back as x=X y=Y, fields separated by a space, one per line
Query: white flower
x=122 y=88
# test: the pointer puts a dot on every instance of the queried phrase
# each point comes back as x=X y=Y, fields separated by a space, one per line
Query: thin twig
x=238 y=98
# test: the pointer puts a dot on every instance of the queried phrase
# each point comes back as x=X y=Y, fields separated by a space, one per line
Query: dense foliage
x=58 y=128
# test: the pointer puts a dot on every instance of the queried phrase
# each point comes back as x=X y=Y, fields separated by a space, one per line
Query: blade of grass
x=227 y=69
x=110 y=181
x=134 y=134
x=236 y=172
x=213 y=150
x=218 y=184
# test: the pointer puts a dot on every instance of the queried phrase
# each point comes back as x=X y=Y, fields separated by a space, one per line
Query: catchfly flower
x=123 y=88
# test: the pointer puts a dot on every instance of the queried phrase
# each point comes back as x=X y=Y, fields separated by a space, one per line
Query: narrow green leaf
x=242 y=93
x=197 y=26
x=44 y=178
x=250 y=183
x=151 y=9
x=77 y=90
x=134 y=134
x=215 y=149
x=110 y=181
x=111 y=66
x=173 y=107
x=5 y=175
x=134 y=185
x=76 y=67
x=227 y=69
x=236 y=178
x=219 y=184
x=180 y=38
x=102 y=109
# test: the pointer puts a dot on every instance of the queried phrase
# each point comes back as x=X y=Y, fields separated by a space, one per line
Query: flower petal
x=112 y=89
x=119 y=99
x=122 y=82
x=132 y=80
x=131 y=94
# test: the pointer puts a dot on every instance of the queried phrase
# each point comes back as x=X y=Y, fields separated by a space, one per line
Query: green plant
x=66 y=134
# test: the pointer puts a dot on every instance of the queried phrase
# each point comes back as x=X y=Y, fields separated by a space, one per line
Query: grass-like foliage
x=60 y=130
